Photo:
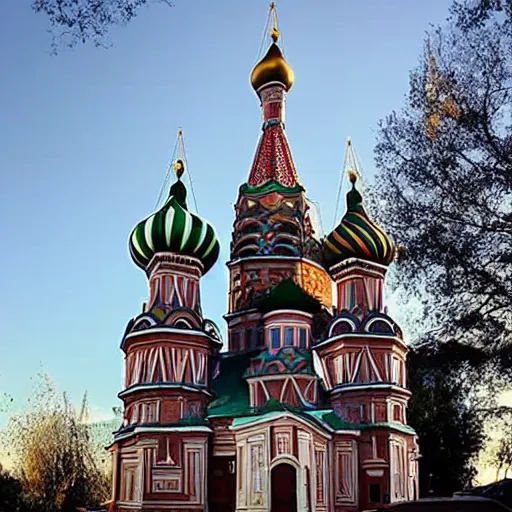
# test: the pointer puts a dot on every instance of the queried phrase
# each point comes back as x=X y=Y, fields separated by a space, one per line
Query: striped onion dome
x=174 y=229
x=356 y=236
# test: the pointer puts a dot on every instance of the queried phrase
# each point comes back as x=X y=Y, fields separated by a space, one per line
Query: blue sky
x=86 y=138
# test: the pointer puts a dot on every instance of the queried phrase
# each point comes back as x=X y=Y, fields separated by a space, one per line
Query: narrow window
x=235 y=341
x=288 y=336
x=241 y=466
x=260 y=340
x=275 y=337
x=254 y=337
x=302 y=338
x=374 y=493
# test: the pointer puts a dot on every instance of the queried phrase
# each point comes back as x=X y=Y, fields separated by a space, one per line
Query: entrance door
x=222 y=484
x=284 y=489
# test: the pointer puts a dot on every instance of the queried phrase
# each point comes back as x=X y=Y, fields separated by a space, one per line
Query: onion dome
x=174 y=229
x=356 y=236
x=272 y=68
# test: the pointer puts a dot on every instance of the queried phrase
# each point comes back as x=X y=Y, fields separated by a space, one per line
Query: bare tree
x=80 y=21
x=54 y=459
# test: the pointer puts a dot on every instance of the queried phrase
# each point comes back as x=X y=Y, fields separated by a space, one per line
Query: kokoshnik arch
x=306 y=410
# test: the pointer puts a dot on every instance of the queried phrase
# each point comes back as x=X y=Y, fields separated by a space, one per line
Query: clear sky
x=86 y=138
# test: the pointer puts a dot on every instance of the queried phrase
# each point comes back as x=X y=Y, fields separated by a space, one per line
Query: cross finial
x=273 y=25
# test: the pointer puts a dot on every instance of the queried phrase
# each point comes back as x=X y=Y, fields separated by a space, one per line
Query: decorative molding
x=163 y=364
x=360 y=335
x=285 y=312
x=189 y=265
x=346 y=487
x=157 y=428
x=274 y=416
x=169 y=330
x=162 y=386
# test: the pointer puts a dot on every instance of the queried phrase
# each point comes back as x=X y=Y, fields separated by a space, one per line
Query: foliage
x=447 y=413
x=476 y=14
x=52 y=451
x=445 y=165
x=12 y=496
x=79 y=21
x=450 y=197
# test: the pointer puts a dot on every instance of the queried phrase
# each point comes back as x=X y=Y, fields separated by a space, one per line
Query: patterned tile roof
x=273 y=160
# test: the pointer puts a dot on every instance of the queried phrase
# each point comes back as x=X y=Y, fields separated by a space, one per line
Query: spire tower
x=272 y=78
x=273 y=236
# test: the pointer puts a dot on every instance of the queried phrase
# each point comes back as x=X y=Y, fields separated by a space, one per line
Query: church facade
x=304 y=409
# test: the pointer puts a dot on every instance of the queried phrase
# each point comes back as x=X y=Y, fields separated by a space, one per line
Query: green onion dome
x=174 y=229
x=356 y=236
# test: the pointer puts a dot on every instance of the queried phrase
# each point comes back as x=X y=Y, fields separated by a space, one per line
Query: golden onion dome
x=273 y=68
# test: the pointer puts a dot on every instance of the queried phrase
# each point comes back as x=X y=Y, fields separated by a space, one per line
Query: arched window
x=381 y=327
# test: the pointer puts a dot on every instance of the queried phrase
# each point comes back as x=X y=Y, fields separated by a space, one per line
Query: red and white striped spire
x=272 y=77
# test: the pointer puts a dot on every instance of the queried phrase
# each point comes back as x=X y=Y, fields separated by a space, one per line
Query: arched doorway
x=283 y=488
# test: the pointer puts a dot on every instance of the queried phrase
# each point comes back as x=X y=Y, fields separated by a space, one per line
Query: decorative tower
x=278 y=287
x=160 y=453
x=363 y=358
x=273 y=235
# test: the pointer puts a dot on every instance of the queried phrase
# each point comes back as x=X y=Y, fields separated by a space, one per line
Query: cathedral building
x=304 y=407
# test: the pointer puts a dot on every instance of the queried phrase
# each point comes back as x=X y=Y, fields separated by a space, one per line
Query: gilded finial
x=179 y=168
x=352 y=176
x=274 y=33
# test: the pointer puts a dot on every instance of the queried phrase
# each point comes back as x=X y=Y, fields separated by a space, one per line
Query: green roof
x=237 y=422
x=334 y=421
x=287 y=295
x=230 y=387
x=273 y=409
x=233 y=400
x=270 y=186
x=233 y=391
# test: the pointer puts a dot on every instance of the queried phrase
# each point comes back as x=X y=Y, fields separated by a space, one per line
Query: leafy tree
x=79 y=21
x=446 y=169
x=53 y=455
x=445 y=165
x=448 y=415
x=476 y=14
